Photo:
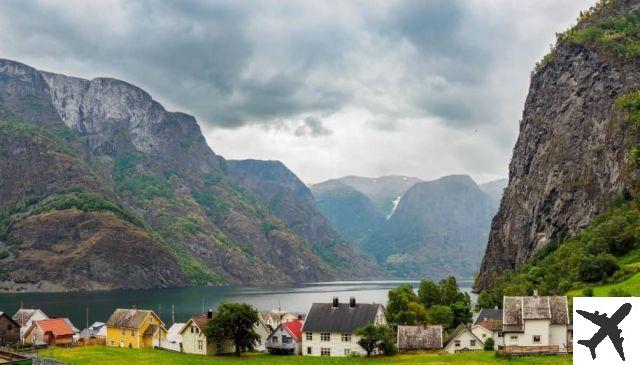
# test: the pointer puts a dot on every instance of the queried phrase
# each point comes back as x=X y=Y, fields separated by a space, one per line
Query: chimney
x=535 y=292
x=352 y=302
x=210 y=313
x=335 y=302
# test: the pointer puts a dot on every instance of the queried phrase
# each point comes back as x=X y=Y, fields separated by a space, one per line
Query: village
x=524 y=326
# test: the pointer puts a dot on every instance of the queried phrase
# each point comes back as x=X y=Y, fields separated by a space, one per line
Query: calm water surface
x=190 y=301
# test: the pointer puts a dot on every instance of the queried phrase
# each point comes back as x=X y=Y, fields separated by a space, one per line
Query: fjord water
x=188 y=302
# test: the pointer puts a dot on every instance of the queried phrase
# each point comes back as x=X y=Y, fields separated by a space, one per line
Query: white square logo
x=605 y=331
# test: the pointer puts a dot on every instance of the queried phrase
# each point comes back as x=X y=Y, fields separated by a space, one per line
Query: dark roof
x=488 y=314
x=128 y=318
x=420 y=337
x=323 y=317
x=491 y=324
x=15 y=323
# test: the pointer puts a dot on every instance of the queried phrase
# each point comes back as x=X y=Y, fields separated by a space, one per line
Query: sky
x=331 y=88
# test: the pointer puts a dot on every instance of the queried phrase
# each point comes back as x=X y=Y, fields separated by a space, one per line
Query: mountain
x=439 y=228
x=103 y=188
x=494 y=189
x=349 y=210
x=384 y=191
x=577 y=145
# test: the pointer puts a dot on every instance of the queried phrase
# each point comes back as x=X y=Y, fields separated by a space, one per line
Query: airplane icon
x=608 y=327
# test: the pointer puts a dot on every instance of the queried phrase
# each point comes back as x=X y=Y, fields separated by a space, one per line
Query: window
x=499 y=333
x=112 y=344
x=536 y=338
x=197 y=330
x=150 y=319
x=219 y=346
x=9 y=328
x=308 y=350
x=472 y=343
x=347 y=352
x=199 y=344
x=309 y=336
x=457 y=343
x=192 y=330
x=286 y=339
x=325 y=351
x=274 y=339
x=484 y=335
x=123 y=332
x=325 y=336
x=346 y=337
x=133 y=333
x=513 y=337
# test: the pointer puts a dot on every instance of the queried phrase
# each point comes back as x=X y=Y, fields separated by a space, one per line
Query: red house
x=58 y=331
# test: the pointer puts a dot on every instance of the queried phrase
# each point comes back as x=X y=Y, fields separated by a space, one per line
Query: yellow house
x=134 y=328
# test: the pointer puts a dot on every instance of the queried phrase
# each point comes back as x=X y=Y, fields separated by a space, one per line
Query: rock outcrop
x=571 y=154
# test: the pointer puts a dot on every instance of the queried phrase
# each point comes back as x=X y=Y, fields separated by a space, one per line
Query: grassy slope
x=631 y=285
x=105 y=355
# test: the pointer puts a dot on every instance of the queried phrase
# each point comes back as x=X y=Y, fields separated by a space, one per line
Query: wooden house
x=329 y=328
x=9 y=330
x=462 y=339
x=26 y=317
x=539 y=323
x=286 y=338
x=196 y=341
x=51 y=332
x=412 y=338
x=134 y=328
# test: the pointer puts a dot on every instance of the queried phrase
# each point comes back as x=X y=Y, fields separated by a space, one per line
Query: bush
x=596 y=268
x=587 y=292
x=619 y=293
x=489 y=344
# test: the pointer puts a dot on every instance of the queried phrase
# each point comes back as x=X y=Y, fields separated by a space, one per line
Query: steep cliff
x=572 y=153
x=99 y=156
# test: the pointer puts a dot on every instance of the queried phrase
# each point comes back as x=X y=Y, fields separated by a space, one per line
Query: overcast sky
x=331 y=88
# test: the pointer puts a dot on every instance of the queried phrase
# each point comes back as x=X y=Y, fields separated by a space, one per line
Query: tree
x=451 y=292
x=376 y=337
x=235 y=322
x=461 y=312
x=485 y=300
x=404 y=306
x=489 y=344
x=596 y=268
x=440 y=314
x=429 y=293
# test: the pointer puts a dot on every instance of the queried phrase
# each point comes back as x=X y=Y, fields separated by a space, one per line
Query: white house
x=488 y=324
x=26 y=317
x=286 y=338
x=536 y=321
x=462 y=339
x=268 y=321
x=196 y=341
x=329 y=327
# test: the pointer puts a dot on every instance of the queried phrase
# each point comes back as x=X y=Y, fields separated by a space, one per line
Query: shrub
x=489 y=344
x=587 y=292
x=619 y=293
x=596 y=268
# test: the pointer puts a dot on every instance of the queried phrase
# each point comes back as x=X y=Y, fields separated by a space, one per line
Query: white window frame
x=309 y=336
x=325 y=336
x=345 y=337
x=325 y=351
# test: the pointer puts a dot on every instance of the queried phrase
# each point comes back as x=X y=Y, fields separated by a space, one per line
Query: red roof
x=294 y=328
x=57 y=326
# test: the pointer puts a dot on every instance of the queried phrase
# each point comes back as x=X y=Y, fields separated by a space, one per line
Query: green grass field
x=631 y=285
x=101 y=355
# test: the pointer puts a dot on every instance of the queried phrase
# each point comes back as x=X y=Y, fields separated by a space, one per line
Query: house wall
x=482 y=333
x=336 y=345
x=263 y=332
x=540 y=327
x=130 y=337
x=558 y=336
x=190 y=344
x=498 y=338
x=9 y=331
x=465 y=339
x=277 y=334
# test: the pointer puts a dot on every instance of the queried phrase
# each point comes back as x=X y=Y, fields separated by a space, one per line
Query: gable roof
x=491 y=324
x=420 y=337
x=294 y=328
x=457 y=332
x=94 y=330
x=198 y=321
x=57 y=326
x=488 y=314
x=174 y=333
x=323 y=317
x=129 y=318
x=2 y=314
x=519 y=309
x=23 y=316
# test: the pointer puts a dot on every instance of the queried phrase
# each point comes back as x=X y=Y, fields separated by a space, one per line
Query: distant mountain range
x=417 y=228
x=102 y=188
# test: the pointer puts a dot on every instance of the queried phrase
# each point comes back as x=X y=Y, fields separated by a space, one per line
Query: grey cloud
x=313 y=127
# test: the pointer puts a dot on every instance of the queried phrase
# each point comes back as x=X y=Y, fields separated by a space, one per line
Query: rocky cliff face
x=571 y=154
x=84 y=159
